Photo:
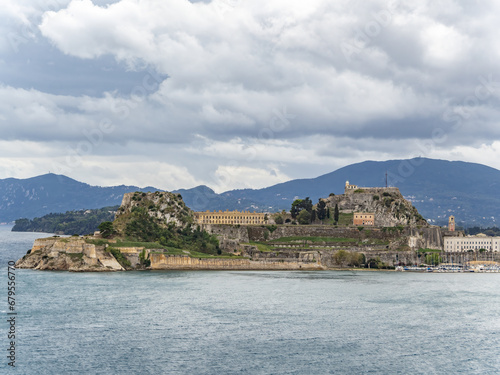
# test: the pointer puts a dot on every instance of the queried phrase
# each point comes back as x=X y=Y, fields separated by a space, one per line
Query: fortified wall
x=162 y=261
x=71 y=254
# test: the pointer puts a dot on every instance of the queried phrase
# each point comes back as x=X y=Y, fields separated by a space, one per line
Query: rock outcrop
x=69 y=254
x=388 y=205
x=167 y=208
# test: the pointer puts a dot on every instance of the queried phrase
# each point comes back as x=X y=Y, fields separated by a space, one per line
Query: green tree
x=313 y=216
x=321 y=209
x=304 y=217
x=336 y=213
x=278 y=219
x=106 y=228
x=341 y=257
x=296 y=207
x=433 y=259
x=301 y=204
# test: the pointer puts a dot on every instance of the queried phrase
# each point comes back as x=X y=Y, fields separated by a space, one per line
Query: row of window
x=229 y=218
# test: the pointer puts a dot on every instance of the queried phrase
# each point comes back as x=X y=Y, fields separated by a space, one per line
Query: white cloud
x=263 y=84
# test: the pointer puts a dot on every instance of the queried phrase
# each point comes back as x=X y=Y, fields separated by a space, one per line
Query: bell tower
x=451 y=224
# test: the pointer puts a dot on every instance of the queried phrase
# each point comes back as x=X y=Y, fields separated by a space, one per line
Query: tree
x=341 y=257
x=336 y=213
x=296 y=207
x=328 y=212
x=304 y=217
x=313 y=216
x=321 y=209
x=301 y=204
x=278 y=219
x=106 y=228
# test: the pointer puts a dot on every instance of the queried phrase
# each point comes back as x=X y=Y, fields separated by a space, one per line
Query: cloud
x=303 y=86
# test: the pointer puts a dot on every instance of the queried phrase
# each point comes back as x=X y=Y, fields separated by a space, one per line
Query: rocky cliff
x=167 y=208
x=388 y=205
x=69 y=254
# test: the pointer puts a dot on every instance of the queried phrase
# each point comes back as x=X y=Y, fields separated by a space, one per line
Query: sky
x=243 y=94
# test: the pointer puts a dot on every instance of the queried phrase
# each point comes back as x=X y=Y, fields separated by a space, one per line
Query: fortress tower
x=451 y=224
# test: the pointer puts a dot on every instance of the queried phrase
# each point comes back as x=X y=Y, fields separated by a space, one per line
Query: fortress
x=350 y=189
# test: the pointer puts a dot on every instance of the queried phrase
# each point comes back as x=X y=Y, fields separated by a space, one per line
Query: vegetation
x=299 y=205
x=349 y=258
x=304 y=217
x=314 y=239
x=72 y=222
x=336 y=214
x=278 y=219
x=124 y=262
x=376 y=263
x=433 y=259
x=106 y=229
x=321 y=209
x=144 y=228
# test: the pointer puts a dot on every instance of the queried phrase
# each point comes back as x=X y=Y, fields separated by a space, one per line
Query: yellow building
x=363 y=218
x=349 y=187
x=230 y=217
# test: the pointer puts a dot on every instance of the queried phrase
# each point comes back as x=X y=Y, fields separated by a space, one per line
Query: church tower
x=451 y=224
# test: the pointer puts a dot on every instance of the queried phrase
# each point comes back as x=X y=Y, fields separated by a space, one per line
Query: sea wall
x=162 y=261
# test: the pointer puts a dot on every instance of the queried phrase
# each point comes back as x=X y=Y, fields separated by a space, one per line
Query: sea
x=246 y=322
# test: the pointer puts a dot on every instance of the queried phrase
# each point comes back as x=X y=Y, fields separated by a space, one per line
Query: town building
x=230 y=217
x=471 y=243
x=363 y=218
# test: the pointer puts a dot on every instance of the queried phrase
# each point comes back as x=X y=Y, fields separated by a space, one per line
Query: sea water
x=246 y=322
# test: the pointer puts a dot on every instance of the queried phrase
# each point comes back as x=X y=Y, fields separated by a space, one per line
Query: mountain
x=51 y=193
x=437 y=188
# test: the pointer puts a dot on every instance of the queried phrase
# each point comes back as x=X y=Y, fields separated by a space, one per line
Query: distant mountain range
x=437 y=188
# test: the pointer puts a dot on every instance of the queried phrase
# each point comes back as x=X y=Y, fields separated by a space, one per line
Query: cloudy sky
x=243 y=93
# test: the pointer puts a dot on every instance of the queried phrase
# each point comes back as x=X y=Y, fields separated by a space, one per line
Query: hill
x=51 y=193
x=437 y=188
x=71 y=222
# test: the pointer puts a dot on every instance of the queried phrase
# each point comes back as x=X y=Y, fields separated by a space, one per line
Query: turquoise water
x=250 y=322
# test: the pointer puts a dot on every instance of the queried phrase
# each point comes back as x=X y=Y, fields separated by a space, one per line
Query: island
x=364 y=228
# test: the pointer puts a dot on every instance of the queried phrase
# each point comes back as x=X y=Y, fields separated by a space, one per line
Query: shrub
x=124 y=262
x=278 y=219
x=271 y=228
x=376 y=197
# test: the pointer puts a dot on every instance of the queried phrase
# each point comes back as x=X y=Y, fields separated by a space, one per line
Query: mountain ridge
x=438 y=188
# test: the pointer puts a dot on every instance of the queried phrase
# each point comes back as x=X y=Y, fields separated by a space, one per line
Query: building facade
x=349 y=187
x=363 y=218
x=230 y=217
x=471 y=243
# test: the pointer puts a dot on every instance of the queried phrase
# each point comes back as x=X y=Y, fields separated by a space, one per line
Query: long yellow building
x=230 y=217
